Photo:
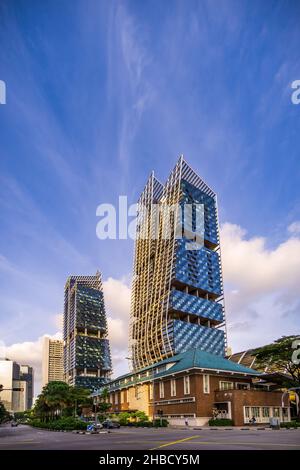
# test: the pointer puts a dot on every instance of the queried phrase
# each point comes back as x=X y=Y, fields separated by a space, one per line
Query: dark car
x=14 y=424
x=110 y=424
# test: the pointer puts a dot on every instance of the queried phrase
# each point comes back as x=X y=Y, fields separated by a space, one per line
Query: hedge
x=290 y=424
x=220 y=422
x=61 y=424
x=147 y=424
x=160 y=423
x=138 y=424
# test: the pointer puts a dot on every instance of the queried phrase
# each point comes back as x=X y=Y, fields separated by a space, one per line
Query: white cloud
x=129 y=80
x=120 y=362
x=117 y=298
x=294 y=227
x=117 y=301
x=58 y=321
x=261 y=287
x=252 y=266
x=29 y=353
x=117 y=333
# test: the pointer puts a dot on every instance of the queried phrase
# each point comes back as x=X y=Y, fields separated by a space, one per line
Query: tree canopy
x=58 y=398
x=278 y=356
x=3 y=413
x=103 y=406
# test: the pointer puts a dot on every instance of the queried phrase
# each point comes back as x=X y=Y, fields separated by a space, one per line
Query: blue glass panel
x=198 y=268
x=92 y=383
x=196 y=305
x=193 y=195
x=186 y=336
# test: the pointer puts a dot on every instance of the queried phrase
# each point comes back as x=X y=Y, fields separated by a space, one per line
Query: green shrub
x=102 y=417
x=290 y=424
x=220 y=422
x=137 y=424
x=36 y=423
x=61 y=424
x=143 y=424
x=160 y=423
x=140 y=416
x=133 y=419
x=113 y=416
x=124 y=418
x=21 y=416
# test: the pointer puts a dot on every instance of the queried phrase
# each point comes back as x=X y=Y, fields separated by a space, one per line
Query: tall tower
x=177 y=292
x=52 y=364
x=27 y=374
x=15 y=394
x=87 y=360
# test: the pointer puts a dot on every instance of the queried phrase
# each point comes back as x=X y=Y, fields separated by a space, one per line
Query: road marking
x=175 y=442
x=18 y=442
x=245 y=443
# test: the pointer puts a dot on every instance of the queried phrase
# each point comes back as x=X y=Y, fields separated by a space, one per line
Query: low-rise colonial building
x=197 y=385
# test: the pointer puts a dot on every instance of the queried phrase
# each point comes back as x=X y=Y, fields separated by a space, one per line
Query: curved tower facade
x=177 y=290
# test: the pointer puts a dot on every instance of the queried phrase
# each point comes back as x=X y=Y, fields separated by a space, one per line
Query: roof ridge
x=194 y=357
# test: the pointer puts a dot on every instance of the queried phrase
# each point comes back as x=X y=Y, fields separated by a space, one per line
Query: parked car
x=14 y=424
x=110 y=424
x=98 y=425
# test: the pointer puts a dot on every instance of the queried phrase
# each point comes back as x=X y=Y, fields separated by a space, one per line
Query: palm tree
x=104 y=406
x=56 y=396
x=78 y=398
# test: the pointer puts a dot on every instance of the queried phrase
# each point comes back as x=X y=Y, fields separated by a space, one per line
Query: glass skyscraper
x=177 y=291
x=27 y=374
x=87 y=360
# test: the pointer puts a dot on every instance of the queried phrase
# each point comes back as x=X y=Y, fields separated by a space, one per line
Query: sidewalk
x=225 y=428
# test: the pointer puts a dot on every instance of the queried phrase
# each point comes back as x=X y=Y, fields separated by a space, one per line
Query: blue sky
x=99 y=93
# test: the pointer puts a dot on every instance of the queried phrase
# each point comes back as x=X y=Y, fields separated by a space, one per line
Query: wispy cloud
x=294 y=228
x=130 y=89
x=29 y=220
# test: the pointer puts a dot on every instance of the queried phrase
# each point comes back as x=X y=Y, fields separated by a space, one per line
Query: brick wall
x=241 y=398
x=201 y=404
x=204 y=402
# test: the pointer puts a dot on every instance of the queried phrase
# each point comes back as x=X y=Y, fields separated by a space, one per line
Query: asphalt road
x=25 y=437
